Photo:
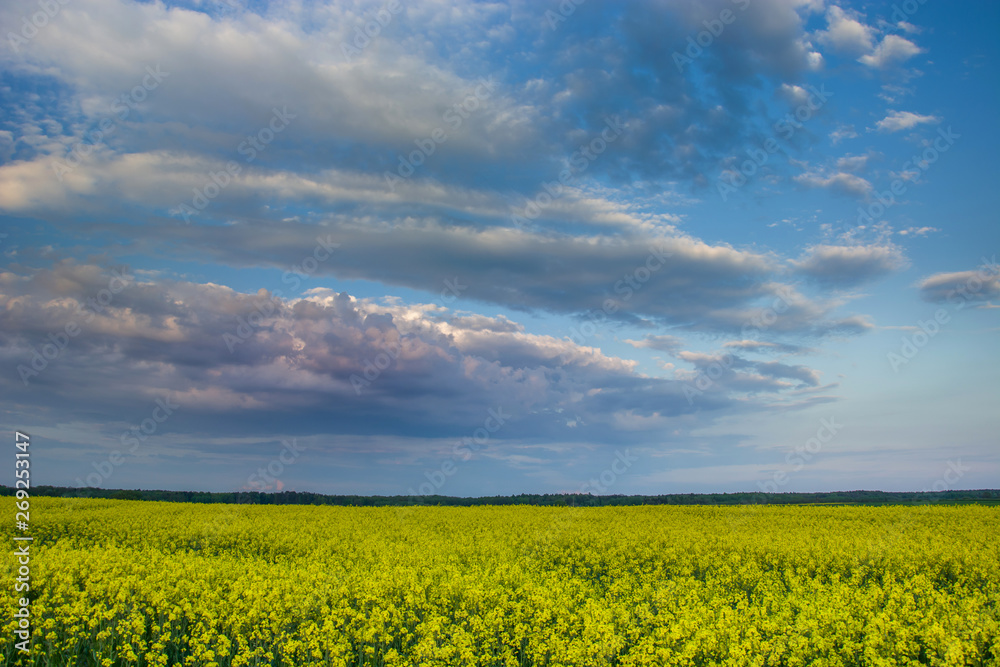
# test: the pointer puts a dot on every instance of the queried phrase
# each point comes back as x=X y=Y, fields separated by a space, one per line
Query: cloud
x=842 y=132
x=848 y=35
x=851 y=163
x=978 y=286
x=918 y=231
x=891 y=51
x=892 y=93
x=909 y=28
x=849 y=266
x=651 y=273
x=663 y=343
x=794 y=95
x=734 y=373
x=628 y=242
x=839 y=181
x=806 y=376
x=903 y=120
x=255 y=364
x=644 y=279
x=228 y=73
x=766 y=346
x=325 y=173
x=845 y=33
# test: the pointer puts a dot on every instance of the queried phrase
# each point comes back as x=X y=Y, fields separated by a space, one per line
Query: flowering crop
x=128 y=583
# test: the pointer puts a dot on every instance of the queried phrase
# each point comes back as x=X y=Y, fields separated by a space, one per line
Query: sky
x=482 y=248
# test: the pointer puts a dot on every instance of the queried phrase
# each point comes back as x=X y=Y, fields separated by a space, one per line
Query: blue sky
x=493 y=248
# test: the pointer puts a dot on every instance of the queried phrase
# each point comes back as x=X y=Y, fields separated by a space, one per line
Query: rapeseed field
x=128 y=583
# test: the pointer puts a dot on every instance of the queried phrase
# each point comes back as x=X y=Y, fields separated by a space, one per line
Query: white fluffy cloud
x=849 y=35
x=892 y=50
x=845 y=33
x=896 y=121
x=839 y=181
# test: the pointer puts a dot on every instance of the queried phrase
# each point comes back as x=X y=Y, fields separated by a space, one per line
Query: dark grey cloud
x=677 y=280
x=723 y=372
x=326 y=364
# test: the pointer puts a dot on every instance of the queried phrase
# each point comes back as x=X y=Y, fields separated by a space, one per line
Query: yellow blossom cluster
x=128 y=583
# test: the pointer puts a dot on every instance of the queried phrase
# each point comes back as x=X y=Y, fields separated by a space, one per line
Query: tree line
x=988 y=496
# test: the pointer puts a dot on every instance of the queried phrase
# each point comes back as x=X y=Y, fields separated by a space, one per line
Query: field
x=143 y=583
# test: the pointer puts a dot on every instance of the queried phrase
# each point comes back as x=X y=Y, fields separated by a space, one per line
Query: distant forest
x=984 y=496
